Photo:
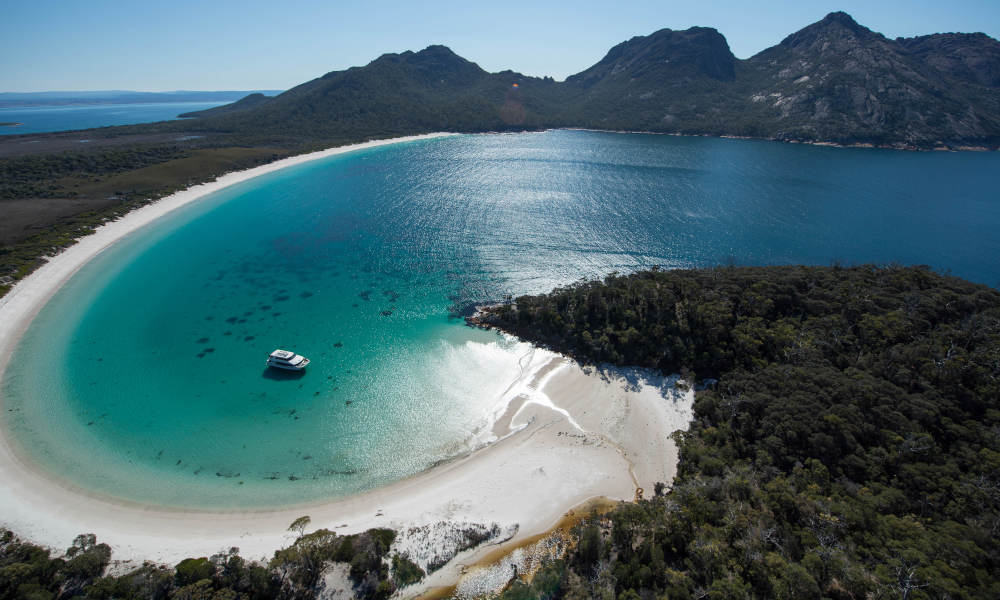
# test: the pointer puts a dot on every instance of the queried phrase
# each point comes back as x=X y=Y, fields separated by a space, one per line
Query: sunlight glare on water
x=144 y=377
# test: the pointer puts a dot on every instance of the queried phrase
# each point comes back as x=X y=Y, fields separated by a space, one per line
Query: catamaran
x=288 y=360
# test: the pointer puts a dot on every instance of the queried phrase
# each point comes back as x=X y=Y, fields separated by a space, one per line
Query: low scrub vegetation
x=29 y=572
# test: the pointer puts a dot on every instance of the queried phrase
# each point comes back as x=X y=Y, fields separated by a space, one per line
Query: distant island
x=10 y=123
x=28 y=99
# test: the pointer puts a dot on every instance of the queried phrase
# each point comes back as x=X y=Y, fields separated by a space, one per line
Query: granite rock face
x=837 y=80
x=833 y=81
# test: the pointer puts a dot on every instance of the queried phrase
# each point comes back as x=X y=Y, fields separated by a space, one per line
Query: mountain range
x=833 y=81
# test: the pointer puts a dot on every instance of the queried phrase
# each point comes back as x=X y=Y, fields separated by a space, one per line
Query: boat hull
x=287 y=367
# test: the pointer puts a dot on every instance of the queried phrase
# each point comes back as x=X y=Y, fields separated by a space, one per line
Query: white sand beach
x=562 y=435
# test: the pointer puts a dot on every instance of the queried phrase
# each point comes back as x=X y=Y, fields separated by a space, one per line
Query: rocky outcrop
x=833 y=81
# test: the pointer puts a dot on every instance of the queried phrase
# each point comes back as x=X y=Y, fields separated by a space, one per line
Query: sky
x=269 y=44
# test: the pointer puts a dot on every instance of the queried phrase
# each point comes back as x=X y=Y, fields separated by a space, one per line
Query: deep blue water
x=144 y=376
x=40 y=119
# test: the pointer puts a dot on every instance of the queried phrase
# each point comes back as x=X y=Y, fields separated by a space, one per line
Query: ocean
x=41 y=119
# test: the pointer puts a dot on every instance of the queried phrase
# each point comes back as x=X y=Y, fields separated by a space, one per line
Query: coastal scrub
x=844 y=442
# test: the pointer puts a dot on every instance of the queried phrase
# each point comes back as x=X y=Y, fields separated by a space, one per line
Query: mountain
x=433 y=89
x=668 y=57
x=839 y=81
x=833 y=81
x=666 y=81
x=973 y=58
x=249 y=101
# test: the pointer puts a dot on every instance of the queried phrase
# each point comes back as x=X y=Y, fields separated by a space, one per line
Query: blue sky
x=267 y=44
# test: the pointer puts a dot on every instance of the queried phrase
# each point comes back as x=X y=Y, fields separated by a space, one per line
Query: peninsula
x=844 y=442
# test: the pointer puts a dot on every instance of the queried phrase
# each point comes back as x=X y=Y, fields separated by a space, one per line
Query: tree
x=299 y=525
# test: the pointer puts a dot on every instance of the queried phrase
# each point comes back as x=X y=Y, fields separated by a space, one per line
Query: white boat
x=288 y=360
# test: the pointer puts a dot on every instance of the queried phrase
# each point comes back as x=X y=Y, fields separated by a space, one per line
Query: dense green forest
x=22 y=176
x=846 y=441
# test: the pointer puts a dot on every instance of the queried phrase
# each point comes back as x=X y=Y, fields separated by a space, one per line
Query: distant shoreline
x=10 y=124
x=829 y=144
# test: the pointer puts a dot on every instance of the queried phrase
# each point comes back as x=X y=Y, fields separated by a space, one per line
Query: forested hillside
x=846 y=443
x=833 y=81
x=396 y=94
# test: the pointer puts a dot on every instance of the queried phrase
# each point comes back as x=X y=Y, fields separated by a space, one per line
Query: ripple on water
x=144 y=377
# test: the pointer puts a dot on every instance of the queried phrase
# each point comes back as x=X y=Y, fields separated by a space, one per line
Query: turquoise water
x=144 y=377
x=40 y=119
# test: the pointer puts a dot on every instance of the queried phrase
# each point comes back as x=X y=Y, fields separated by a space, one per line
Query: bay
x=144 y=377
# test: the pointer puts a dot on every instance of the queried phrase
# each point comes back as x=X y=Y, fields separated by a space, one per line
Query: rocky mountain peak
x=834 y=80
x=434 y=63
x=665 y=55
x=837 y=32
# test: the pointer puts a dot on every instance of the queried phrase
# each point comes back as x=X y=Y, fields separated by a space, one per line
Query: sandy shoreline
x=19 y=306
x=562 y=436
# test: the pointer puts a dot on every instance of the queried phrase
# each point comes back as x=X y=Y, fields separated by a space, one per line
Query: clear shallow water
x=144 y=376
x=40 y=119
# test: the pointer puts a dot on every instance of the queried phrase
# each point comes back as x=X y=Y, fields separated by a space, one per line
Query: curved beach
x=565 y=435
